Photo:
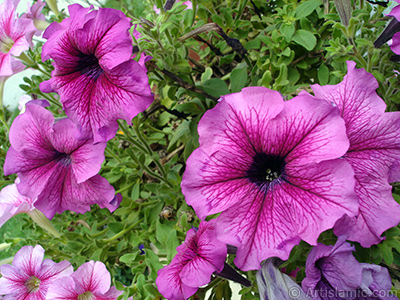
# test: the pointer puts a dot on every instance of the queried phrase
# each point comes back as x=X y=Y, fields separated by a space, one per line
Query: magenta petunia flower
x=13 y=38
x=374 y=153
x=54 y=167
x=198 y=257
x=270 y=168
x=29 y=276
x=95 y=75
x=333 y=273
x=13 y=203
x=90 y=282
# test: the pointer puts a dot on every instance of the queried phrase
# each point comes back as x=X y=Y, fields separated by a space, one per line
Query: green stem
x=147 y=169
x=194 y=8
x=51 y=99
x=113 y=155
x=150 y=152
x=2 y=110
x=121 y=233
x=130 y=138
x=357 y=54
x=125 y=188
x=136 y=128
x=105 y=221
x=100 y=233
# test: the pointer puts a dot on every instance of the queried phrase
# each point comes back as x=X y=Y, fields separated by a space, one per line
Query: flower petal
x=378 y=210
x=62 y=192
x=268 y=224
x=273 y=284
x=238 y=120
x=86 y=157
x=30 y=131
x=306 y=131
x=29 y=259
x=12 y=203
x=355 y=97
x=92 y=276
x=62 y=289
x=334 y=263
x=169 y=282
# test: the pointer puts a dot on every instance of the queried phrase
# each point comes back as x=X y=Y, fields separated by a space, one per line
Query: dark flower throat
x=89 y=66
x=265 y=169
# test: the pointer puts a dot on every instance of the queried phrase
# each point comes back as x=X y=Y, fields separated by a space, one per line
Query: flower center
x=32 y=284
x=265 y=169
x=85 y=296
x=62 y=158
x=6 y=44
x=89 y=66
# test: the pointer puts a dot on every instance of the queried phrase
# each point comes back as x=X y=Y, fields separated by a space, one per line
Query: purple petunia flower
x=13 y=203
x=333 y=273
x=54 y=167
x=200 y=256
x=95 y=75
x=374 y=153
x=13 y=38
x=91 y=281
x=29 y=277
x=270 y=167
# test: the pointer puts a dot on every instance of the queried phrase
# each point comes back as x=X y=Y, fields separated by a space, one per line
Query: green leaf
x=305 y=39
x=116 y=227
x=182 y=130
x=217 y=19
x=287 y=31
x=238 y=79
x=206 y=74
x=171 y=244
x=128 y=258
x=162 y=232
x=266 y=78
x=215 y=87
x=153 y=261
x=254 y=44
x=135 y=191
x=306 y=8
x=282 y=78
x=386 y=252
x=323 y=75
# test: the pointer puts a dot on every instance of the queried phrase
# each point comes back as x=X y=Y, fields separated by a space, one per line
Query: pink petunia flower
x=95 y=75
x=198 y=257
x=270 y=167
x=13 y=38
x=35 y=14
x=90 y=282
x=13 y=203
x=374 y=153
x=54 y=167
x=29 y=277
